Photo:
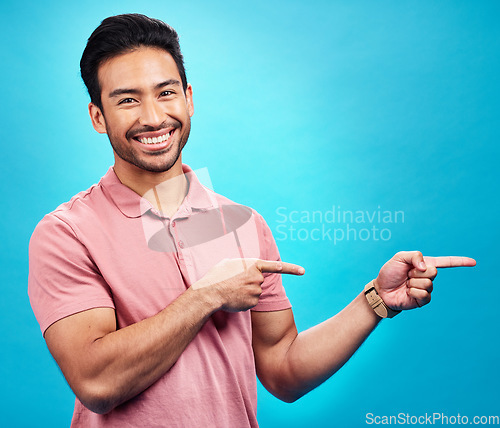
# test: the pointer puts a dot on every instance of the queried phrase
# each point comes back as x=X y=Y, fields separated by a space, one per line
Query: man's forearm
x=317 y=353
x=123 y=363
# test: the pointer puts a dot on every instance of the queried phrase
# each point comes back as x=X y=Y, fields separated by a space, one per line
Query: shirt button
x=173 y=223
x=181 y=244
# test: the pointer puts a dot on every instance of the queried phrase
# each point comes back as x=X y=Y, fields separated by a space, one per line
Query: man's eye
x=166 y=93
x=126 y=101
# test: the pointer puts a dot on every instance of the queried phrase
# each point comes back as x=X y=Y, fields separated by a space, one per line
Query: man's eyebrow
x=121 y=91
x=168 y=82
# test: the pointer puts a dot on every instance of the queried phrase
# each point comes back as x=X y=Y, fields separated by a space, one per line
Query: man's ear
x=189 y=99
x=97 y=118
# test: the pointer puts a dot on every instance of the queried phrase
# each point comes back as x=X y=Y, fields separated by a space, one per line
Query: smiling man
x=171 y=327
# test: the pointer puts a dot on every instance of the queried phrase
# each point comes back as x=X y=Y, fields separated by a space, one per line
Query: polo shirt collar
x=133 y=205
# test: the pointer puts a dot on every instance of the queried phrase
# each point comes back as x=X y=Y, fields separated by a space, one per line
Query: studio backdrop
x=357 y=129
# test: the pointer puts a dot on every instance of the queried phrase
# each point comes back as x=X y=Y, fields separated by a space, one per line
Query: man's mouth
x=155 y=140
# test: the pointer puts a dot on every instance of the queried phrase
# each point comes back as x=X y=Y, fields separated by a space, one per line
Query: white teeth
x=155 y=140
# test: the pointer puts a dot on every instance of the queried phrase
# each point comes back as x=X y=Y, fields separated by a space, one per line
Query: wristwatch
x=376 y=302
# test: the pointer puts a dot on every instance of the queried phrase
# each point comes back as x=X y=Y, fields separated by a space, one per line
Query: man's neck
x=165 y=190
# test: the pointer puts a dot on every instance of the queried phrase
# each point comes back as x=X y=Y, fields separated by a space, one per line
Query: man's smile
x=154 y=139
x=157 y=140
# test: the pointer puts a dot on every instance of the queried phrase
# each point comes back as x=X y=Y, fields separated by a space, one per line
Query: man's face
x=145 y=111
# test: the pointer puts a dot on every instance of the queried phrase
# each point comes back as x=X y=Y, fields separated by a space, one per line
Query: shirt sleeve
x=273 y=297
x=63 y=279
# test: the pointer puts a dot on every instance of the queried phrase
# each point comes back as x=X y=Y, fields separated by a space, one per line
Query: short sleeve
x=273 y=297
x=63 y=280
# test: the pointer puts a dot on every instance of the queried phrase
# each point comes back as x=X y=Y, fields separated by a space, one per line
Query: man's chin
x=157 y=167
x=153 y=161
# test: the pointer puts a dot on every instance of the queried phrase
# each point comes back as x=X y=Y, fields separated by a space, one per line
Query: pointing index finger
x=279 y=267
x=449 y=261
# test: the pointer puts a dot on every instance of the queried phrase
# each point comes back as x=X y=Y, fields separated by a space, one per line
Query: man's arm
x=290 y=364
x=106 y=367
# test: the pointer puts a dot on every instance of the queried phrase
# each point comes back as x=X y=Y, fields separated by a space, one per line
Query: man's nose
x=151 y=114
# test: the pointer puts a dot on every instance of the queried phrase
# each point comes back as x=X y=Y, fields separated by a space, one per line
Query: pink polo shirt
x=108 y=247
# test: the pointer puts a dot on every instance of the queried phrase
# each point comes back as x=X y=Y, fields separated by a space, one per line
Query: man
x=161 y=300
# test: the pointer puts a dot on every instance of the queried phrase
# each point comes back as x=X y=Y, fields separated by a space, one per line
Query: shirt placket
x=184 y=253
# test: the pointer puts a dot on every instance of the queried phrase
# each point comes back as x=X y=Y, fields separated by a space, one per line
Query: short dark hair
x=123 y=33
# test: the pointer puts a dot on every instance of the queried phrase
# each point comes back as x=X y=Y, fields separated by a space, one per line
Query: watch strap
x=376 y=302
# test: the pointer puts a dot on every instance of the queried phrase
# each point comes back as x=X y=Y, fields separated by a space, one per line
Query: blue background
x=303 y=105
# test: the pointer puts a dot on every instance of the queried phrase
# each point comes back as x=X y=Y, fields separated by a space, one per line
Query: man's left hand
x=405 y=281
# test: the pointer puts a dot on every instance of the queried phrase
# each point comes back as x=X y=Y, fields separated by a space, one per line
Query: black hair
x=124 y=33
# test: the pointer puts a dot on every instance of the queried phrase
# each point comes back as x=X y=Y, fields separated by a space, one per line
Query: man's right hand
x=237 y=282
